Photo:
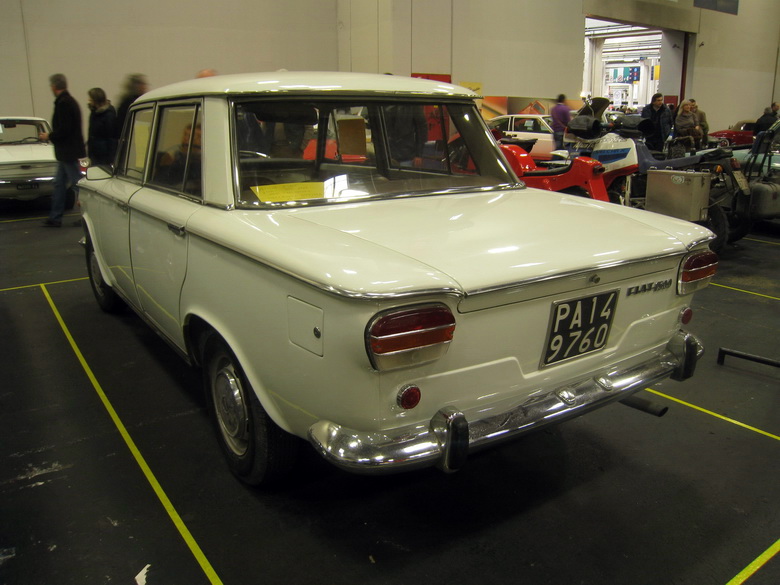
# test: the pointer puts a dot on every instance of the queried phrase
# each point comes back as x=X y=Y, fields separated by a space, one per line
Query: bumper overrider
x=447 y=439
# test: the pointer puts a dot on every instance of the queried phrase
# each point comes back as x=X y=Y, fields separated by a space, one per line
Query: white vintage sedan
x=528 y=127
x=27 y=165
x=351 y=261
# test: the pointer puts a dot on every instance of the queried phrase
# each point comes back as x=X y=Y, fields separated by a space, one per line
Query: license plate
x=27 y=186
x=579 y=326
x=741 y=181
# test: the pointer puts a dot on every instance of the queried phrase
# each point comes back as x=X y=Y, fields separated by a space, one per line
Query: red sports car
x=739 y=133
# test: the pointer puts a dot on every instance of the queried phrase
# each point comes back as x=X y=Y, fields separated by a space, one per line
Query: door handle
x=176 y=229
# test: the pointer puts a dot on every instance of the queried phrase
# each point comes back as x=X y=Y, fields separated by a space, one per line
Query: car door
x=159 y=213
x=533 y=127
x=113 y=244
x=511 y=129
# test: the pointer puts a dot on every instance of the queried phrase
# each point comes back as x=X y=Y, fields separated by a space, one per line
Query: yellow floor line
x=745 y=291
x=43 y=284
x=751 y=569
x=715 y=414
x=164 y=500
x=775 y=548
x=763 y=241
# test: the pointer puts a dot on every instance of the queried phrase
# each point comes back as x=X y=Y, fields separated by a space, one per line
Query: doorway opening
x=628 y=63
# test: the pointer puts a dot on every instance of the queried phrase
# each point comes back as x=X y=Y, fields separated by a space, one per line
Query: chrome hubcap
x=231 y=409
x=97 y=279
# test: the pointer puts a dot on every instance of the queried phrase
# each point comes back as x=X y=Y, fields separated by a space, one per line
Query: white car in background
x=351 y=262
x=528 y=126
x=27 y=165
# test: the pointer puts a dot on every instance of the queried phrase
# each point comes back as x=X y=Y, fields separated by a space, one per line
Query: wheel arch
x=198 y=329
x=90 y=242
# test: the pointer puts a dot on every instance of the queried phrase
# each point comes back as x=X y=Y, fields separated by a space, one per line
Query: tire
x=258 y=452
x=105 y=296
x=617 y=191
x=718 y=224
x=737 y=209
x=740 y=222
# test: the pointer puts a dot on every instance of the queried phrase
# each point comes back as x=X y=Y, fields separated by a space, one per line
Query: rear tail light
x=409 y=336
x=735 y=164
x=696 y=271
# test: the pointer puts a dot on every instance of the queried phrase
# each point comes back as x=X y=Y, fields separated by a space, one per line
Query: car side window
x=132 y=158
x=502 y=124
x=177 y=155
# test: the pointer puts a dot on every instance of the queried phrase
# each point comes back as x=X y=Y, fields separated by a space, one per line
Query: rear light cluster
x=696 y=271
x=409 y=336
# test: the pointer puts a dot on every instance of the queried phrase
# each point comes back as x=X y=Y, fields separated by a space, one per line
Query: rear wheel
x=718 y=224
x=105 y=296
x=257 y=450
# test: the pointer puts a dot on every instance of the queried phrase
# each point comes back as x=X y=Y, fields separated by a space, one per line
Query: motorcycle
x=707 y=188
x=581 y=176
x=762 y=169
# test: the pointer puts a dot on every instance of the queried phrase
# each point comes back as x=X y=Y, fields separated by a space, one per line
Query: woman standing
x=101 y=142
x=687 y=124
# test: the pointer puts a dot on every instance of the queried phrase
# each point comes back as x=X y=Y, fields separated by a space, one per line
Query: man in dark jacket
x=68 y=141
x=661 y=116
x=765 y=121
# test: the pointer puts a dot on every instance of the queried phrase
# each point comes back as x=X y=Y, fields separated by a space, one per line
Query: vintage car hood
x=464 y=244
x=19 y=153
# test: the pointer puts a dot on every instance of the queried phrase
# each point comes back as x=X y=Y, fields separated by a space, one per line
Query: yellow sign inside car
x=289 y=192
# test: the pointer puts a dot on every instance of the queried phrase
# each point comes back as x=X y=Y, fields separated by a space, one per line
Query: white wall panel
x=432 y=36
x=15 y=90
x=735 y=73
x=97 y=43
x=514 y=48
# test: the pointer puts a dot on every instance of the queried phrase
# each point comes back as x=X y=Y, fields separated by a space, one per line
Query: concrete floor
x=110 y=473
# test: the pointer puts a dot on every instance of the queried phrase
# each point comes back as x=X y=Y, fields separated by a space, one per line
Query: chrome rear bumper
x=448 y=438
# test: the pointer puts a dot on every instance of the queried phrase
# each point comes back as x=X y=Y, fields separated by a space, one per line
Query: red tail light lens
x=410 y=336
x=696 y=271
x=735 y=164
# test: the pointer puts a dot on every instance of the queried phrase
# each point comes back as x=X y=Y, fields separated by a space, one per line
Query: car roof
x=308 y=82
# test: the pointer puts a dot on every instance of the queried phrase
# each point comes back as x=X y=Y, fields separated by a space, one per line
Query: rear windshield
x=324 y=151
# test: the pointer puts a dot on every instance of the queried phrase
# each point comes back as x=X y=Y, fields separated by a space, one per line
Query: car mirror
x=97 y=173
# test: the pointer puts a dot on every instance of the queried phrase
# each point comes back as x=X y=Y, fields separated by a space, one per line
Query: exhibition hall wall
x=97 y=43
x=501 y=47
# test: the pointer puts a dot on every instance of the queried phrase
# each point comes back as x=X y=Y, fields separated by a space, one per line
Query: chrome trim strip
x=573 y=273
x=427 y=444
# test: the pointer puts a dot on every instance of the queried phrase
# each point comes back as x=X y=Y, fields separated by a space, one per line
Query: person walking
x=661 y=117
x=135 y=86
x=68 y=141
x=561 y=116
x=101 y=137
